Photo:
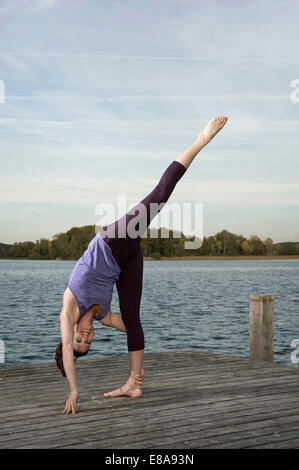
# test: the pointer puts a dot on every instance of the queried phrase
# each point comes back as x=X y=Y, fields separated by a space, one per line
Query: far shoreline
x=220 y=258
x=182 y=258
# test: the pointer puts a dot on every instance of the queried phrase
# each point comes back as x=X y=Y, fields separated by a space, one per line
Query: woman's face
x=84 y=331
x=83 y=335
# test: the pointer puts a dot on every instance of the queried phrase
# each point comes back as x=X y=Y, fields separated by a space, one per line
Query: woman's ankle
x=133 y=372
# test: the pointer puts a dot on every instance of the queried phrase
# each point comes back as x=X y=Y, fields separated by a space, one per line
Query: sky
x=102 y=95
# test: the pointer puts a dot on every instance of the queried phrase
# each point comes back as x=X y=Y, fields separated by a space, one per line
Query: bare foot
x=133 y=388
x=211 y=129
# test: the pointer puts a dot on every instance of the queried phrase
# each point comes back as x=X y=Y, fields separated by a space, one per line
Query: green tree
x=20 y=250
x=257 y=246
x=155 y=255
x=246 y=247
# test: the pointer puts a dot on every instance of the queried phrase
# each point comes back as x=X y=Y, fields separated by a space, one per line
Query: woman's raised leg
x=152 y=204
x=124 y=235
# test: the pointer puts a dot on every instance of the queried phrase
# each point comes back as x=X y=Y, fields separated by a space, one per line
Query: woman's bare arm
x=67 y=336
x=114 y=320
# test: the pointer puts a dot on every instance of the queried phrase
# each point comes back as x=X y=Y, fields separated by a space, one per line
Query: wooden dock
x=191 y=400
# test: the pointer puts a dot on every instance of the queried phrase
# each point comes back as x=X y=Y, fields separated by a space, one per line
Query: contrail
x=140 y=57
x=151 y=97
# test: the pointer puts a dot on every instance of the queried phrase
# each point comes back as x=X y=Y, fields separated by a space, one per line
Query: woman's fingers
x=70 y=408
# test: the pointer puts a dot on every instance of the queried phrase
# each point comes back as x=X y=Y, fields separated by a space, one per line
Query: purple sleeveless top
x=93 y=277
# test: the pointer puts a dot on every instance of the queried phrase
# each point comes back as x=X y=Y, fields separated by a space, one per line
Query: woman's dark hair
x=59 y=360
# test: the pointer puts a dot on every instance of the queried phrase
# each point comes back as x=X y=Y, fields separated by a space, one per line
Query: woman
x=114 y=255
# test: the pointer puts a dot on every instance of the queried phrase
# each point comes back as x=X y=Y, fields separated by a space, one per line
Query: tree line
x=71 y=244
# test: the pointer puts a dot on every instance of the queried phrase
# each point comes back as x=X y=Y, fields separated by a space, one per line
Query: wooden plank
x=286 y=441
x=244 y=406
x=199 y=436
x=162 y=395
x=211 y=374
x=123 y=407
x=223 y=418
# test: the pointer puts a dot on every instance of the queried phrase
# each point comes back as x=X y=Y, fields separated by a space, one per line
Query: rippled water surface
x=200 y=305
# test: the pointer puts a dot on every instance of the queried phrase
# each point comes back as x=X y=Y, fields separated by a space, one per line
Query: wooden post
x=261 y=320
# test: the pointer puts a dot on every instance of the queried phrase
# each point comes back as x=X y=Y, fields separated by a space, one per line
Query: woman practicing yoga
x=114 y=255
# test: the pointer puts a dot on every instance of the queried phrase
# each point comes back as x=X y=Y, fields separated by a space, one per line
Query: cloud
x=150 y=57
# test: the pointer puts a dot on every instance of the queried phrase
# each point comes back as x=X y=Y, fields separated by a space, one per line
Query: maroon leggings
x=128 y=252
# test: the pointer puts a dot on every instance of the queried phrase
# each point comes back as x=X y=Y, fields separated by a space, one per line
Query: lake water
x=201 y=305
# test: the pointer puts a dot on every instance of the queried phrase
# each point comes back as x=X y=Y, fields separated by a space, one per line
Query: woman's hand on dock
x=71 y=403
